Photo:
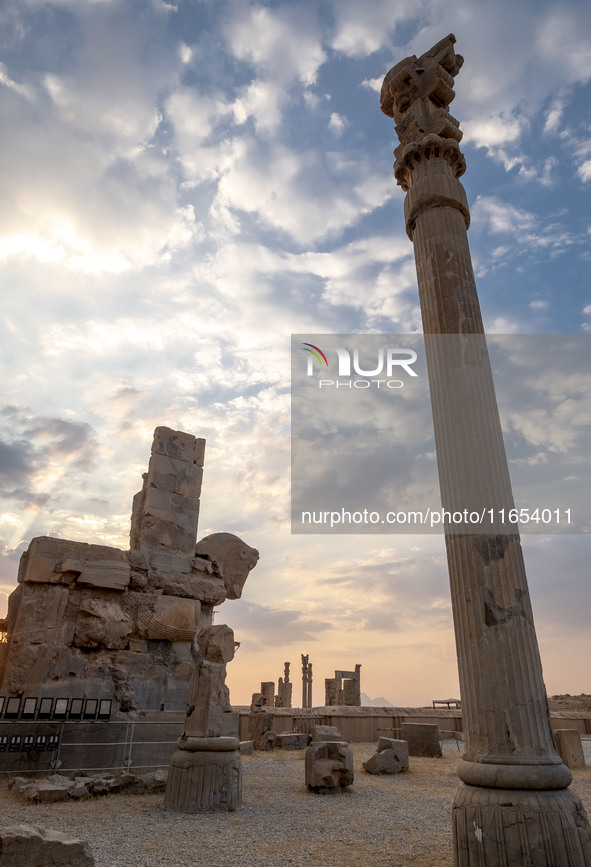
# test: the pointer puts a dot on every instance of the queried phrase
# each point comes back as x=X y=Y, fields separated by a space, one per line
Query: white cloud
x=500 y=217
x=337 y=123
x=260 y=100
x=555 y=113
x=584 y=171
x=283 y=44
x=490 y=132
x=362 y=28
x=306 y=194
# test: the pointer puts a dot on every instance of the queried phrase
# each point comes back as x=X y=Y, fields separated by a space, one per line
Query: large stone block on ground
x=329 y=766
x=422 y=739
x=292 y=741
x=204 y=781
x=391 y=757
x=326 y=733
x=33 y=846
x=399 y=747
x=568 y=743
x=383 y=763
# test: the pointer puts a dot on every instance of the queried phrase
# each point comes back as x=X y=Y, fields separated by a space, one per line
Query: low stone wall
x=356 y=724
x=368 y=724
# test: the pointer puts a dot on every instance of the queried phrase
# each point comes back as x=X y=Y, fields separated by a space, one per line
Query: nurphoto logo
x=389 y=360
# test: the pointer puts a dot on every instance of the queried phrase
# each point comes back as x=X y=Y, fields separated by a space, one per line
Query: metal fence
x=49 y=747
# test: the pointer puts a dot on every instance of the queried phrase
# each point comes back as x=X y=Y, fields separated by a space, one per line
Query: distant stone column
x=306 y=682
x=513 y=807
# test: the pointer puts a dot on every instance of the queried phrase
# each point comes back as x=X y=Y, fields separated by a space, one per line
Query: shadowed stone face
x=232 y=557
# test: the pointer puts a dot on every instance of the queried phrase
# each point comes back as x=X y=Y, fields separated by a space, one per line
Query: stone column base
x=204 y=781
x=519 y=828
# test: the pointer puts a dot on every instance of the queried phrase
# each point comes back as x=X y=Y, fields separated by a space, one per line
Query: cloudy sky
x=186 y=184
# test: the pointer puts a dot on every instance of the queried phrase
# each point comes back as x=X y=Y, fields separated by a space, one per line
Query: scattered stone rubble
x=77 y=786
x=391 y=757
x=33 y=846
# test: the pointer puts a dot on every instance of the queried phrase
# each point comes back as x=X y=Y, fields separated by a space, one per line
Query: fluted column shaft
x=506 y=719
x=512 y=808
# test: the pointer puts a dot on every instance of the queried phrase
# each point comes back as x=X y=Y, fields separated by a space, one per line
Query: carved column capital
x=416 y=93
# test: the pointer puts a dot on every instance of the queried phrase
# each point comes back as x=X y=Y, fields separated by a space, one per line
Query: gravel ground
x=384 y=820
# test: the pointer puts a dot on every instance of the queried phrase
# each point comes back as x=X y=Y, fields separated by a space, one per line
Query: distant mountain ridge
x=366 y=701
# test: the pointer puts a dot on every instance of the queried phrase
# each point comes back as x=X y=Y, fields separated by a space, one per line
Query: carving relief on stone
x=173 y=619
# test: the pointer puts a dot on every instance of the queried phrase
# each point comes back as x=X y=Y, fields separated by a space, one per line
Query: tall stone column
x=513 y=806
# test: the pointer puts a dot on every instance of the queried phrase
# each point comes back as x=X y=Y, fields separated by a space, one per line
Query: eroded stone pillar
x=513 y=806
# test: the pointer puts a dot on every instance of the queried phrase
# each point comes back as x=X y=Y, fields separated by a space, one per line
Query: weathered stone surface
x=178 y=445
x=329 y=766
x=174 y=619
x=326 y=733
x=166 y=510
x=209 y=590
x=268 y=692
x=284 y=688
x=48 y=791
x=175 y=476
x=232 y=558
x=269 y=741
x=422 y=739
x=384 y=762
x=202 y=781
x=511 y=827
x=103 y=574
x=570 y=748
x=246 y=748
x=209 y=744
x=399 y=747
x=344 y=688
x=216 y=643
x=18 y=784
x=509 y=742
x=79 y=792
x=257 y=702
x=292 y=740
x=131 y=784
x=208 y=700
x=258 y=725
x=33 y=846
x=102 y=624
x=90 y=620
x=58 y=561
x=156 y=780
x=60 y=788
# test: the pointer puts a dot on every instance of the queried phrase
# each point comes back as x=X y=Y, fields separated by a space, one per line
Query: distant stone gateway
x=513 y=806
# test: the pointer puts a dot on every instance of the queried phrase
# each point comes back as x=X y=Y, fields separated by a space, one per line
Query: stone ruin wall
x=94 y=621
